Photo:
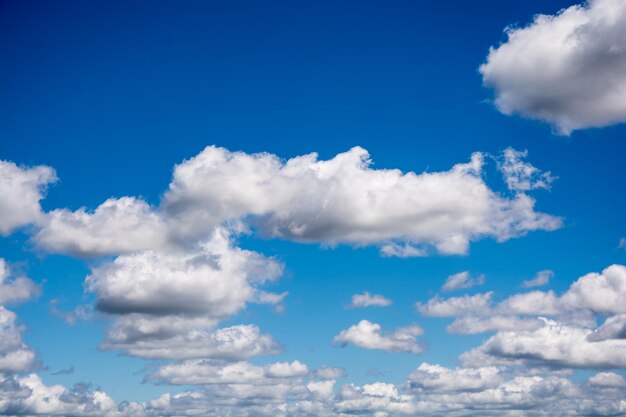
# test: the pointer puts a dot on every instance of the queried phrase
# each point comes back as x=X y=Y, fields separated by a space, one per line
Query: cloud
x=456 y=306
x=520 y=175
x=166 y=304
x=607 y=379
x=568 y=69
x=65 y=371
x=21 y=189
x=368 y=300
x=428 y=377
x=542 y=278
x=200 y=372
x=15 y=356
x=554 y=344
x=613 y=328
x=369 y=336
x=185 y=338
x=116 y=226
x=15 y=289
x=462 y=280
x=337 y=201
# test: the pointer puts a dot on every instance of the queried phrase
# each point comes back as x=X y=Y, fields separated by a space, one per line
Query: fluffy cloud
x=28 y=395
x=428 y=377
x=202 y=372
x=568 y=70
x=21 y=190
x=554 y=344
x=335 y=201
x=186 y=338
x=15 y=356
x=613 y=328
x=542 y=278
x=166 y=304
x=369 y=335
x=607 y=379
x=116 y=226
x=456 y=306
x=462 y=280
x=15 y=289
x=366 y=300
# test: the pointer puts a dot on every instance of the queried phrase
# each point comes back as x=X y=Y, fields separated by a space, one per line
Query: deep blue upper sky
x=113 y=94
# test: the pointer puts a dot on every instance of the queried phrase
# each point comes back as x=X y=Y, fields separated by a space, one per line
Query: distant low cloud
x=367 y=300
x=462 y=280
x=369 y=335
x=568 y=69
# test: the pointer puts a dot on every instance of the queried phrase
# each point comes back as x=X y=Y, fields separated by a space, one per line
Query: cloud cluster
x=335 y=201
x=368 y=335
x=526 y=336
x=568 y=69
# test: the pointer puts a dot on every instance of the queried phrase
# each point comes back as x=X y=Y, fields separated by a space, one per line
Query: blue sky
x=114 y=96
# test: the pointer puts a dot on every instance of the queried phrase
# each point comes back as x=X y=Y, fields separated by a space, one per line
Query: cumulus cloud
x=116 y=226
x=367 y=300
x=166 y=303
x=21 y=189
x=337 y=201
x=568 y=69
x=28 y=395
x=369 y=335
x=15 y=356
x=429 y=377
x=554 y=344
x=462 y=280
x=607 y=379
x=15 y=289
x=542 y=278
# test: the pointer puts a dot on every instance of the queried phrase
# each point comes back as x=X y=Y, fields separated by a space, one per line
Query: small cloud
x=367 y=300
x=82 y=312
x=622 y=243
x=542 y=278
x=65 y=371
x=462 y=280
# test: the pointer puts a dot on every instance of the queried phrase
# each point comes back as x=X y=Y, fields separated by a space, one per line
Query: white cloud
x=15 y=356
x=370 y=336
x=366 y=300
x=428 y=377
x=15 y=289
x=28 y=395
x=601 y=292
x=568 y=69
x=21 y=190
x=607 y=379
x=555 y=344
x=456 y=306
x=542 y=278
x=186 y=338
x=116 y=226
x=521 y=175
x=482 y=324
x=343 y=200
x=462 y=280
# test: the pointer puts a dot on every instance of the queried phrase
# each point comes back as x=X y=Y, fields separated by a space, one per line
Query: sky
x=312 y=208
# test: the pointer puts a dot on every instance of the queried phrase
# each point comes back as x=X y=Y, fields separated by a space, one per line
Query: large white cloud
x=568 y=69
x=21 y=189
x=340 y=200
x=369 y=335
